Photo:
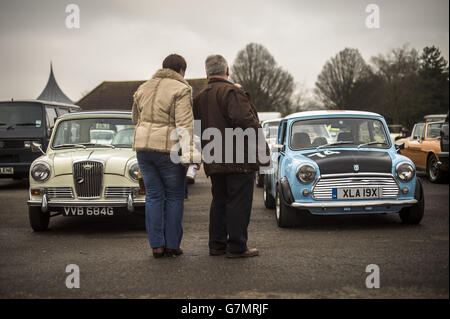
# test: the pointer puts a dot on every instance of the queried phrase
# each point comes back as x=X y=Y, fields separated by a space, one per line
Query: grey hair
x=216 y=65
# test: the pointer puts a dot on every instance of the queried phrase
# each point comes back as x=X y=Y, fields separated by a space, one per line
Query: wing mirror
x=399 y=147
x=36 y=148
x=277 y=148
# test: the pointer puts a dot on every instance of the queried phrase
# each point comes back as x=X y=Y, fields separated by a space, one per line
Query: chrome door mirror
x=36 y=148
x=399 y=147
x=277 y=147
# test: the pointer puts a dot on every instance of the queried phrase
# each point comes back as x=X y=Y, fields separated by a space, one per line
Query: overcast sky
x=127 y=40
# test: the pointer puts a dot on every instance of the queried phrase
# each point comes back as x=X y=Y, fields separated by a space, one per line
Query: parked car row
x=324 y=163
x=424 y=147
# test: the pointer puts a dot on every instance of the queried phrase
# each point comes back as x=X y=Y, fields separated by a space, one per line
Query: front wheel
x=269 y=201
x=284 y=214
x=38 y=220
x=413 y=215
x=259 y=180
x=434 y=173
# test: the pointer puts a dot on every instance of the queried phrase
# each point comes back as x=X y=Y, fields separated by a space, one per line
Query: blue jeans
x=164 y=201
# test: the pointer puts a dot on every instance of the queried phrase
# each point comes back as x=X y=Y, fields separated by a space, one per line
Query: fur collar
x=170 y=74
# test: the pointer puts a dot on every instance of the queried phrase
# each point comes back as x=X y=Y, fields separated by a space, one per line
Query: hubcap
x=434 y=169
x=277 y=209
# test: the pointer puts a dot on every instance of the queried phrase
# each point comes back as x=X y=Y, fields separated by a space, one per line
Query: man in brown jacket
x=223 y=106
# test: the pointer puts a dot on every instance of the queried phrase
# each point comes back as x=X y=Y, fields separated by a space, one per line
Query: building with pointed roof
x=52 y=91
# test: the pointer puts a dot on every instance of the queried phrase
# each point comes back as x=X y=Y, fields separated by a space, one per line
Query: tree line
x=402 y=85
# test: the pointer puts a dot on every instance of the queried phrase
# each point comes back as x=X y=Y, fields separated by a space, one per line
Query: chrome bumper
x=130 y=203
x=355 y=203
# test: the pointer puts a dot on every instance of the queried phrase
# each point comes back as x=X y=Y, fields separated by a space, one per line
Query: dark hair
x=174 y=62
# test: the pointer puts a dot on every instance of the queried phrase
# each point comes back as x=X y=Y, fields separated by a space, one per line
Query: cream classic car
x=81 y=175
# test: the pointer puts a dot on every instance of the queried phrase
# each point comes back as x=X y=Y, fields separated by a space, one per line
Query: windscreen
x=20 y=116
x=338 y=132
x=93 y=132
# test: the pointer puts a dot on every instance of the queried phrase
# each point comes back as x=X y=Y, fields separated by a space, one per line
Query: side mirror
x=400 y=146
x=277 y=148
x=36 y=148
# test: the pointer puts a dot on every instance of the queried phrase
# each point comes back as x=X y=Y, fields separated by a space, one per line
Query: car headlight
x=306 y=173
x=405 y=171
x=40 y=171
x=133 y=171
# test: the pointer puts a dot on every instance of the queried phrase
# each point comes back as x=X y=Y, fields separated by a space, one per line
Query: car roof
x=97 y=114
x=271 y=120
x=41 y=101
x=330 y=113
x=434 y=115
x=434 y=122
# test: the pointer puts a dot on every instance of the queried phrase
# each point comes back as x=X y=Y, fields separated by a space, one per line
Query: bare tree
x=398 y=72
x=269 y=86
x=398 y=64
x=302 y=100
x=339 y=76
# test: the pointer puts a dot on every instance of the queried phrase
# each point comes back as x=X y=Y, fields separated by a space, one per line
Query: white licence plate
x=88 y=211
x=7 y=170
x=357 y=193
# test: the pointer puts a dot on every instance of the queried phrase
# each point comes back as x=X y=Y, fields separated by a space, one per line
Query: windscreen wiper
x=20 y=124
x=336 y=143
x=84 y=145
x=371 y=143
x=121 y=145
x=100 y=145
x=69 y=145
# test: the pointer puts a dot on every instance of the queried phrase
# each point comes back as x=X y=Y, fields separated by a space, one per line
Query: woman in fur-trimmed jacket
x=162 y=112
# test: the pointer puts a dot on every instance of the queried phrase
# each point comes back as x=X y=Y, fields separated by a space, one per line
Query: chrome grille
x=88 y=179
x=117 y=192
x=323 y=189
x=59 y=192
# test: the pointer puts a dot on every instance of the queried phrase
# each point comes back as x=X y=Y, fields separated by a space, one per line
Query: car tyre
x=434 y=174
x=39 y=221
x=269 y=201
x=284 y=214
x=413 y=215
x=259 y=180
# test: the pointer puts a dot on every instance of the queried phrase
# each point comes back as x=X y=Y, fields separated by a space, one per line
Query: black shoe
x=158 y=252
x=217 y=252
x=248 y=253
x=173 y=252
